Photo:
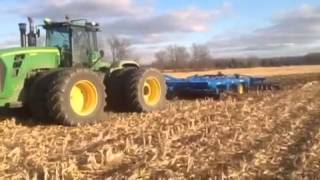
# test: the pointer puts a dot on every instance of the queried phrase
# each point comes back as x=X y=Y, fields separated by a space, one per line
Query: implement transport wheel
x=76 y=97
x=240 y=89
x=145 y=90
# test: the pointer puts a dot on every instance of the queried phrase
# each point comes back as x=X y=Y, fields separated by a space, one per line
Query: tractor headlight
x=47 y=21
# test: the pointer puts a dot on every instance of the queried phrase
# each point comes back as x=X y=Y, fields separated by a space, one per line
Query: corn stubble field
x=259 y=135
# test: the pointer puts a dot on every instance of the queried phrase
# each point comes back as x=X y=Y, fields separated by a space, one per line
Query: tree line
x=199 y=57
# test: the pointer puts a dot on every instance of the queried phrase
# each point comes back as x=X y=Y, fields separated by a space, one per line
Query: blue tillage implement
x=214 y=85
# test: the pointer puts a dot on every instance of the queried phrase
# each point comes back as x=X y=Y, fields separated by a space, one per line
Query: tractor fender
x=123 y=64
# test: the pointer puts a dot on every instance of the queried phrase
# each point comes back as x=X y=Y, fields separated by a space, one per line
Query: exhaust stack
x=23 y=37
x=32 y=39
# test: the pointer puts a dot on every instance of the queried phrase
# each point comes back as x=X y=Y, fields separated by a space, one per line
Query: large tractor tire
x=145 y=90
x=76 y=97
x=115 y=89
x=37 y=95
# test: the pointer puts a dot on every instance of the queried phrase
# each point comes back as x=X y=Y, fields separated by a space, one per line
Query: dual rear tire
x=78 y=96
x=69 y=97
x=136 y=90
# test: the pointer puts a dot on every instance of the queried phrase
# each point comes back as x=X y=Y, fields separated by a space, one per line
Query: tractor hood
x=27 y=51
x=18 y=64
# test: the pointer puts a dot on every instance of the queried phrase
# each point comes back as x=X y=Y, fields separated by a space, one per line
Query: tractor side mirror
x=101 y=52
x=95 y=57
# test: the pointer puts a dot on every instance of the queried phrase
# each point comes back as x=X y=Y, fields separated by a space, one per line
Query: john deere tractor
x=68 y=82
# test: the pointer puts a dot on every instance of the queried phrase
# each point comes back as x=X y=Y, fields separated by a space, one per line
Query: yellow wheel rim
x=83 y=98
x=240 y=89
x=151 y=91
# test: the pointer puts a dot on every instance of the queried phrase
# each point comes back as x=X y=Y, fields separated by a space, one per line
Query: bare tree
x=178 y=56
x=161 y=59
x=200 y=56
x=120 y=48
x=172 y=57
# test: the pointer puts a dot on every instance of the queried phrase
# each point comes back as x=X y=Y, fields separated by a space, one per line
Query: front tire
x=76 y=97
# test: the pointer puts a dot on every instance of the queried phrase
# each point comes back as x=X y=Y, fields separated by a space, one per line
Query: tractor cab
x=75 y=39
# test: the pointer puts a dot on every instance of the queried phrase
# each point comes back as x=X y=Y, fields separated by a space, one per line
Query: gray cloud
x=165 y=27
x=133 y=19
x=80 y=8
x=290 y=32
x=185 y=20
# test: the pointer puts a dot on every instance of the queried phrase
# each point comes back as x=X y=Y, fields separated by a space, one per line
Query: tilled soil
x=259 y=135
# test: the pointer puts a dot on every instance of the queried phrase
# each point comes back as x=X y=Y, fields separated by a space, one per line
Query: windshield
x=83 y=43
x=58 y=37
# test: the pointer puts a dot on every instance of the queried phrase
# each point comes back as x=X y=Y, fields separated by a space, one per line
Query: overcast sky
x=230 y=28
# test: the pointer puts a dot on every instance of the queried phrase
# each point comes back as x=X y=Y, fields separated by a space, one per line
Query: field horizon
x=254 y=71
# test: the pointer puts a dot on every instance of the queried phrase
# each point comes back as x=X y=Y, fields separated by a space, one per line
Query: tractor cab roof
x=79 y=23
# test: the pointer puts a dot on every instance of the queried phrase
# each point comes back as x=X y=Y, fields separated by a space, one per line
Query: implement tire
x=240 y=89
x=145 y=90
x=76 y=97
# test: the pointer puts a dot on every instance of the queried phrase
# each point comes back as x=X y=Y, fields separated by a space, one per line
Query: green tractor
x=68 y=82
